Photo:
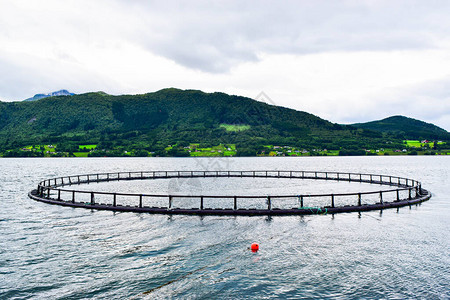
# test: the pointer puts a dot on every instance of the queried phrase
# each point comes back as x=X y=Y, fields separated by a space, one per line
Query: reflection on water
x=58 y=252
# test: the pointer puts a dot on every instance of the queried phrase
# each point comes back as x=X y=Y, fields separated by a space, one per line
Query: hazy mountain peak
x=52 y=94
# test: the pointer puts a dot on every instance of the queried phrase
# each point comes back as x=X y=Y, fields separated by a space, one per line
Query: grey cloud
x=214 y=37
x=208 y=57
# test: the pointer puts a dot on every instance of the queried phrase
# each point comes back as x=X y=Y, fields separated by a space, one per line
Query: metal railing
x=405 y=191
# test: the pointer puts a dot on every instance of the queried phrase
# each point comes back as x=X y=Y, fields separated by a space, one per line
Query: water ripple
x=58 y=252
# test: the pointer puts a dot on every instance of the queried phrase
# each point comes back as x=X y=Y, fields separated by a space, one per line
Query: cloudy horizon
x=347 y=61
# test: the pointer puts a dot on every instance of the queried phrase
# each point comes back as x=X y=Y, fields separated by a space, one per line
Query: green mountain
x=406 y=127
x=151 y=122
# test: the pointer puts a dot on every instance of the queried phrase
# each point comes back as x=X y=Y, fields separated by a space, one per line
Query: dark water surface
x=52 y=252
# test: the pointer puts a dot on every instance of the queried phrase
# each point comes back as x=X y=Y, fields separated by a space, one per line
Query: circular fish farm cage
x=397 y=192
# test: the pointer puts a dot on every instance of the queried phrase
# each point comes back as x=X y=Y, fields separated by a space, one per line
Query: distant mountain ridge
x=405 y=126
x=156 y=121
x=53 y=94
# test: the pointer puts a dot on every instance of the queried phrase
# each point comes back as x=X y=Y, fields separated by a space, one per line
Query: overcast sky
x=345 y=61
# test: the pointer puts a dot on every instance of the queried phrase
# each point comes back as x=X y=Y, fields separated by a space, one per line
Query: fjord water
x=53 y=252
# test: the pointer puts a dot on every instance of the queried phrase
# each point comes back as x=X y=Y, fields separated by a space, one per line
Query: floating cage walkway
x=404 y=192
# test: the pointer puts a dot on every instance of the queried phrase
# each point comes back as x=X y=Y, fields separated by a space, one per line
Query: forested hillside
x=168 y=121
x=403 y=126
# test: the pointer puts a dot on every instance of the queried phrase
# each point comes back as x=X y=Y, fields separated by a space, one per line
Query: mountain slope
x=170 y=107
x=409 y=127
x=155 y=120
x=167 y=116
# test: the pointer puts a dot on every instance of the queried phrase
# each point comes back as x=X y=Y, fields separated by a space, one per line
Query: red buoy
x=254 y=247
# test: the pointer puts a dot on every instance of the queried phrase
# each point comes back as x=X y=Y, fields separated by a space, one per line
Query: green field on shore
x=419 y=144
